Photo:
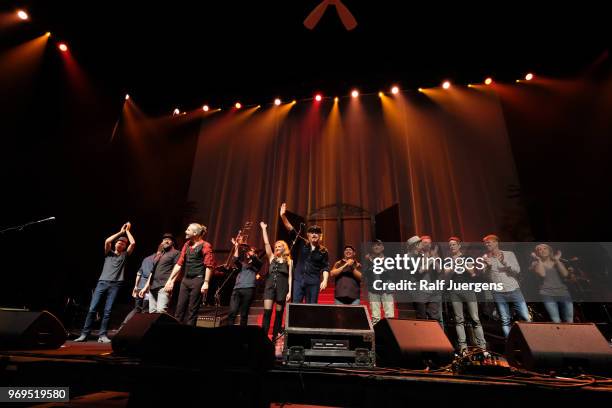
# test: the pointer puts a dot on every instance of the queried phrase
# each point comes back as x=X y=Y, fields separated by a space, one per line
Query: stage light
x=176 y=111
x=420 y=89
x=22 y=15
x=355 y=93
x=529 y=77
x=336 y=99
x=488 y=81
x=205 y=108
x=318 y=97
x=62 y=47
x=277 y=101
x=238 y=105
x=395 y=90
x=446 y=85
x=380 y=94
x=294 y=102
x=470 y=85
x=48 y=33
x=127 y=96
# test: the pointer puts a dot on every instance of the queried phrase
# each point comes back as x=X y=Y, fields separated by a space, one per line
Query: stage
x=89 y=368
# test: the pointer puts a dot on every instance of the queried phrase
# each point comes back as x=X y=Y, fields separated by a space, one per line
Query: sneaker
x=81 y=338
x=103 y=339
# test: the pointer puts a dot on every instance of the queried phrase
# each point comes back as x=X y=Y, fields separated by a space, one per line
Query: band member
x=460 y=298
x=142 y=276
x=166 y=258
x=429 y=305
x=248 y=264
x=278 y=282
x=347 y=275
x=554 y=292
x=502 y=267
x=312 y=262
x=378 y=298
x=110 y=280
x=195 y=264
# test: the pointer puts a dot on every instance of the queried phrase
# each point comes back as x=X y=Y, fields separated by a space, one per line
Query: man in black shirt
x=347 y=275
x=110 y=280
x=165 y=259
x=312 y=262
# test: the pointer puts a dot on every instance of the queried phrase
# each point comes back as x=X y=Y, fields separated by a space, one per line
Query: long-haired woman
x=278 y=282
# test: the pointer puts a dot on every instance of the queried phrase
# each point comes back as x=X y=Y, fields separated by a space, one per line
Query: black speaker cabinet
x=141 y=333
x=25 y=330
x=412 y=343
x=567 y=347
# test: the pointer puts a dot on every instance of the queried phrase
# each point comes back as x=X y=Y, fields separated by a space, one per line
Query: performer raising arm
x=312 y=262
x=278 y=281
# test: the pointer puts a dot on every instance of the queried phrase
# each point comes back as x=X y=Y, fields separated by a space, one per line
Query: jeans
x=158 y=300
x=559 y=308
x=386 y=299
x=189 y=300
x=346 y=302
x=309 y=292
x=460 y=324
x=240 y=301
x=110 y=289
x=514 y=299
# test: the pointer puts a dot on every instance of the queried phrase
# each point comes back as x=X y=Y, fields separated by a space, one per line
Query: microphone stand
x=298 y=235
x=217 y=294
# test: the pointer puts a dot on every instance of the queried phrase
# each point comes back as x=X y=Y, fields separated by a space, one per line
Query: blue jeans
x=302 y=291
x=514 y=299
x=339 y=302
x=110 y=288
x=559 y=308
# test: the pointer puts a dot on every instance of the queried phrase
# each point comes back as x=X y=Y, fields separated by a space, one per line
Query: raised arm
x=264 y=233
x=560 y=265
x=283 y=211
x=130 y=237
x=537 y=266
x=109 y=241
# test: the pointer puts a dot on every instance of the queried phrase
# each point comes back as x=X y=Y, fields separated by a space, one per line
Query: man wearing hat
x=166 y=257
x=110 y=280
x=312 y=262
x=347 y=275
x=379 y=299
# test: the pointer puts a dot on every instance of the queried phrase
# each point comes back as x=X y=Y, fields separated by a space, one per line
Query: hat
x=412 y=241
x=124 y=239
x=314 y=229
x=349 y=246
x=490 y=237
x=168 y=235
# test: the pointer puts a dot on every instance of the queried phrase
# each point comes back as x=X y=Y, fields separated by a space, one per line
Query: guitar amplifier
x=328 y=335
x=208 y=317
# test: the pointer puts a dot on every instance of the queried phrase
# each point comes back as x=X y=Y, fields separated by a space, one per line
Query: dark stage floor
x=90 y=368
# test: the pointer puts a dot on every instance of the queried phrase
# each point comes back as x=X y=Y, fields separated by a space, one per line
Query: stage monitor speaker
x=565 y=347
x=25 y=330
x=160 y=339
x=328 y=335
x=141 y=331
x=412 y=344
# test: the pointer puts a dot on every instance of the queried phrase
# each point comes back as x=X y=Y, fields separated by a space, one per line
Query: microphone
x=44 y=220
